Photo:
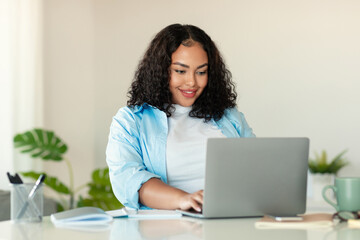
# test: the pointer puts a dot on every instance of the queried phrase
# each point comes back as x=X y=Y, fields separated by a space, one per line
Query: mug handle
x=326 y=199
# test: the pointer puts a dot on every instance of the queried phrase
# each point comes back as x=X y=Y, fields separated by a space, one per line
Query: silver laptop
x=250 y=177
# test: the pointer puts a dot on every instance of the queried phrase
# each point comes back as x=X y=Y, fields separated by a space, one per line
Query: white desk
x=182 y=228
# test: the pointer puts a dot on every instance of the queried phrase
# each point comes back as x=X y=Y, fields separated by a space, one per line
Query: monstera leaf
x=51 y=182
x=46 y=145
x=100 y=192
x=40 y=143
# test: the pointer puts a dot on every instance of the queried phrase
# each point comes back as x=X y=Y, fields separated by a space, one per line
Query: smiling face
x=188 y=74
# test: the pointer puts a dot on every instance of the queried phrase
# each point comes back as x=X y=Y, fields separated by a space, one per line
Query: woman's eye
x=201 y=73
x=179 y=71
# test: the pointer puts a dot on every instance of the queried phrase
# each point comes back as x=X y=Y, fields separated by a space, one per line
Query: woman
x=182 y=95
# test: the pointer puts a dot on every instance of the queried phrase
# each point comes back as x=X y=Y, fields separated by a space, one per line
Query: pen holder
x=23 y=207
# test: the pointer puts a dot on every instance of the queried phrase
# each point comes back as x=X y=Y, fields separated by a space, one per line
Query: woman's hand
x=192 y=200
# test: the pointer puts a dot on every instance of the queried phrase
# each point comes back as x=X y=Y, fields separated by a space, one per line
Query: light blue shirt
x=137 y=147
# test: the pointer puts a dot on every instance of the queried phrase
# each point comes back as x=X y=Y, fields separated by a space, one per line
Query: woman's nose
x=190 y=80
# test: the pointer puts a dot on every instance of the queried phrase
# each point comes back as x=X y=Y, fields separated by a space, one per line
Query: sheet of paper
x=154 y=214
x=148 y=214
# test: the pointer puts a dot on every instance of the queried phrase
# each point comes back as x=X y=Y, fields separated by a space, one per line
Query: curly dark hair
x=151 y=82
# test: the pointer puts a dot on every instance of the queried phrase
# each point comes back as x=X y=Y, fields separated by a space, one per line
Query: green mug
x=347 y=192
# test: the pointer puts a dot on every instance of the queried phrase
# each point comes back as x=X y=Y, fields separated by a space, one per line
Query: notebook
x=252 y=177
x=81 y=216
x=309 y=221
x=91 y=216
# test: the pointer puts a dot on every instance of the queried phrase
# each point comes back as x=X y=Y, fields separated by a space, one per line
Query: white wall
x=69 y=84
x=296 y=65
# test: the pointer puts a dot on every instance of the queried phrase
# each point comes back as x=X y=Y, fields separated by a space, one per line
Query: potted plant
x=323 y=171
x=46 y=145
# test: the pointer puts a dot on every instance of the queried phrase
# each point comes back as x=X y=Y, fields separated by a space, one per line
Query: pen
x=31 y=195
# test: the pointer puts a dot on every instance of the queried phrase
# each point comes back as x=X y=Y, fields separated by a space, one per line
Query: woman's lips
x=188 y=93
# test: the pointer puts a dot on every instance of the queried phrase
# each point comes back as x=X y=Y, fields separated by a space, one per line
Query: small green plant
x=45 y=145
x=320 y=163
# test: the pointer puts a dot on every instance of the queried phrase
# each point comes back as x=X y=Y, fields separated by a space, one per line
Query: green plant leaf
x=323 y=159
x=338 y=162
x=101 y=176
x=59 y=207
x=40 y=143
x=100 y=192
x=320 y=163
x=51 y=182
x=312 y=166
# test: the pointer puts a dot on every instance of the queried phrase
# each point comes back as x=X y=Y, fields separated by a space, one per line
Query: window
x=20 y=78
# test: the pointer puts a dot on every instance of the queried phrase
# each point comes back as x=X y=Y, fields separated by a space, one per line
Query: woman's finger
x=198 y=197
x=195 y=205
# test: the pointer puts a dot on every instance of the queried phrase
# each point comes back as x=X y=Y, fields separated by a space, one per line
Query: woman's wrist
x=180 y=199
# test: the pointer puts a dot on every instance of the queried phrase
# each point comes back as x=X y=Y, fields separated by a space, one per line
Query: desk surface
x=181 y=228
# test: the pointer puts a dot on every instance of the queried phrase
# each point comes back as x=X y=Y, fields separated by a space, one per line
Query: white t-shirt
x=186 y=149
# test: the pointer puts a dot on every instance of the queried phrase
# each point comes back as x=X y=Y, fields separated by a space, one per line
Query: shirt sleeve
x=124 y=158
x=246 y=129
x=240 y=123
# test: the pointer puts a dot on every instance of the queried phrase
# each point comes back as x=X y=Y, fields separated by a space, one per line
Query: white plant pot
x=319 y=181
